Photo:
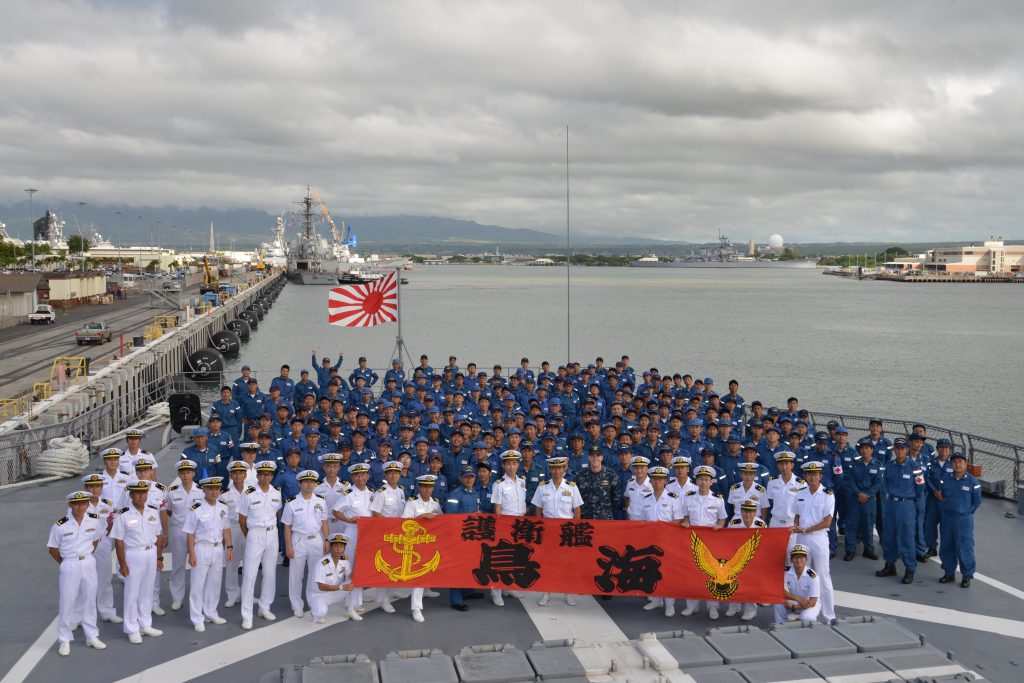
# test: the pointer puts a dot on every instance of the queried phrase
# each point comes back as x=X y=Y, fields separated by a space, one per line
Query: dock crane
x=210 y=281
x=340 y=236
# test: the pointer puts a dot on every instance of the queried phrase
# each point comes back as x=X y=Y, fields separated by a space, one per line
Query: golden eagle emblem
x=722 y=583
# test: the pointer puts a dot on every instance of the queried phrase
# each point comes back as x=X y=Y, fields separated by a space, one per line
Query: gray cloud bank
x=820 y=120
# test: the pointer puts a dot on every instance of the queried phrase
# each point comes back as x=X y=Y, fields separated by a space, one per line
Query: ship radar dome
x=775 y=241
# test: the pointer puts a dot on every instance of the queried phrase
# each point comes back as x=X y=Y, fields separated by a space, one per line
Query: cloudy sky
x=820 y=120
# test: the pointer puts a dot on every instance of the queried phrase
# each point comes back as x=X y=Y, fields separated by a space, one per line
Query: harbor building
x=994 y=256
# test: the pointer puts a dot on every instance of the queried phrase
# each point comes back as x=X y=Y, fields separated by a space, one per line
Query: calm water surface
x=945 y=354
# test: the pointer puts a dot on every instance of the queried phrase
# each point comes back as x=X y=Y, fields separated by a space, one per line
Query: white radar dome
x=775 y=241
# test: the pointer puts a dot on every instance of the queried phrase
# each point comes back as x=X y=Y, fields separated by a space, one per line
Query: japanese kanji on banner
x=364 y=305
x=572 y=556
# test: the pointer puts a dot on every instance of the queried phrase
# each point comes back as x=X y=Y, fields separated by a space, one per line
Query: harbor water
x=951 y=356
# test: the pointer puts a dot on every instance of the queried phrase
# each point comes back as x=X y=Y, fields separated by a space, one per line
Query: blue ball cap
x=899 y=442
x=842 y=430
x=200 y=431
x=479 y=444
x=943 y=442
x=695 y=423
x=246 y=367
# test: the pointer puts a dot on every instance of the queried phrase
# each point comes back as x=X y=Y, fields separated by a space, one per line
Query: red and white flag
x=365 y=305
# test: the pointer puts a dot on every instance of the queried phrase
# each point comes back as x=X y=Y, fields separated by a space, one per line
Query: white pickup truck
x=43 y=315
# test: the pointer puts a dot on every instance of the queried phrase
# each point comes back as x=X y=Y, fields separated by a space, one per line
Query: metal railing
x=19 y=448
x=999 y=461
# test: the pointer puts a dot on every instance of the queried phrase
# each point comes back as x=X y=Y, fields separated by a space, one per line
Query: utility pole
x=81 y=252
x=118 y=238
x=31 y=225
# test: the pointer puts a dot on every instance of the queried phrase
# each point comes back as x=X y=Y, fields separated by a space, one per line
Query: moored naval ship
x=275 y=252
x=724 y=255
x=310 y=259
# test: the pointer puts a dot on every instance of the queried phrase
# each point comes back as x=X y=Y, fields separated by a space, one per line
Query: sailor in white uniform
x=257 y=518
x=208 y=538
x=661 y=505
x=72 y=541
x=557 y=499
x=815 y=507
x=747 y=518
x=704 y=508
x=139 y=543
x=508 y=496
x=237 y=471
x=423 y=506
x=803 y=592
x=305 y=534
x=332 y=582
x=388 y=501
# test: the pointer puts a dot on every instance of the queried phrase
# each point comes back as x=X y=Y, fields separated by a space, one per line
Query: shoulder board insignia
x=106 y=501
x=717 y=495
x=758 y=487
x=63 y=520
x=735 y=486
x=122 y=511
x=775 y=477
x=174 y=487
x=275 y=488
x=219 y=501
x=648 y=495
x=690 y=492
x=318 y=495
x=673 y=495
x=250 y=489
x=811 y=573
x=325 y=562
x=346 y=491
x=93 y=515
x=571 y=483
x=759 y=522
x=288 y=500
x=160 y=486
x=434 y=499
x=735 y=521
x=150 y=505
x=800 y=481
x=412 y=497
x=828 y=492
x=195 y=506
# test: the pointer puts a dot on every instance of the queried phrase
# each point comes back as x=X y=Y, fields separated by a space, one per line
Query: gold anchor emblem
x=404 y=544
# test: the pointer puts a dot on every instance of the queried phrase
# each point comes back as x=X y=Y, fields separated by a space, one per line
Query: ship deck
x=981 y=626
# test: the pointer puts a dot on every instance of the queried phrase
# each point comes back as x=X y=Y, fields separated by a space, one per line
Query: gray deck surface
x=31 y=602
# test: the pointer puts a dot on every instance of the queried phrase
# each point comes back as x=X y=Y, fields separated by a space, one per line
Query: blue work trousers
x=932 y=519
x=919 y=538
x=898 y=531
x=957 y=544
x=860 y=521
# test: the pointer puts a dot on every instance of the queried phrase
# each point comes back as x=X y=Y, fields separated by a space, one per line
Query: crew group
x=292 y=471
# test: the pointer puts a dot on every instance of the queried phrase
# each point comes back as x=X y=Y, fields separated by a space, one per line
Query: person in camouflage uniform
x=600 y=488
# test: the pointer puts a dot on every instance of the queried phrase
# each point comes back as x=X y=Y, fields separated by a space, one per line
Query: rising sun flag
x=364 y=305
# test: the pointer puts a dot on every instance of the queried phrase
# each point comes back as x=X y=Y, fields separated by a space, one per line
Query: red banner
x=579 y=556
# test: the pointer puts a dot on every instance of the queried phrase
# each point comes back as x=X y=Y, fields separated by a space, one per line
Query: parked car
x=171 y=284
x=93 y=333
x=43 y=315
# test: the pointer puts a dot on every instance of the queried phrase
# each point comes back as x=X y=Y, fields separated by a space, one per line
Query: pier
x=94 y=403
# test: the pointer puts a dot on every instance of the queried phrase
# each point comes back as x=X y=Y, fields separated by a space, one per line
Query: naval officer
x=508 y=495
x=257 y=519
x=332 y=582
x=208 y=538
x=815 y=510
x=139 y=543
x=305 y=534
x=426 y=506
x=802 y=590
x=73 y=538
x=557 y=499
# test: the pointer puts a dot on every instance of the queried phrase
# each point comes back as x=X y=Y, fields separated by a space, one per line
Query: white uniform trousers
x=319 y=601
x=231 y=584
x=77 y=583
x=779 y=522
x=694 y=604
x=204 y=586
x=817 y=547
x=308 y=552
x=415 y=600
x=138 y=592
x=260 y=549
x=179 y=560
x=104 y=582
x=806 y=615
x=356 y=598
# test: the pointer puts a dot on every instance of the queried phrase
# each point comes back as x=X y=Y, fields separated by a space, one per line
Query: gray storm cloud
x=820 y=120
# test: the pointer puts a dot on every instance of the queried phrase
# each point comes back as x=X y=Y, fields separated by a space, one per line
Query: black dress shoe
x=870 y=554
x=922 y=558
x=966 y=583
x=947 y=578
x=831 y=556
x=461 y=607
x=475 y=595
x=887 y=570
x=849 y=556
x=606 y=597
x=931 y=552
x=285 y=563
x=908 y=577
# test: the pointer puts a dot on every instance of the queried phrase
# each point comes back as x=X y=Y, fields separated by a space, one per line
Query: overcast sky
x=819 y=120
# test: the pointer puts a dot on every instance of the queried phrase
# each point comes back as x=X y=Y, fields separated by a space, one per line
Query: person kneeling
x=802 y=590
x=332 y=582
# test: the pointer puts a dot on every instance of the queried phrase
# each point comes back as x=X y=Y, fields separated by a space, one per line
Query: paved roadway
x=27 y=351
x=982 y=626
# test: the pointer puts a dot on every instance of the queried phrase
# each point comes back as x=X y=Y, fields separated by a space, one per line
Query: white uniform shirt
x=681 y=488
x=737 y=523
x=704 y=510
x=388 y=502
x=331 y=493
x=354 y=503
x=806 y=585
x=113 y=486
x=557 y=502
x=635 y=491
x=783 y=495
x=667 y=508
x=127 y=461
x=157 y=495
x=510 y=494
x=259 y=508
x=76 y=540
x=207 y=522
x=756 y=493
x=250 y=473
x=105 y=511
x=306 y=517
x=814 y=507
x=231 y=498
x=180 y=501
x=137 y=529
x=327 y=572
x=414 y=507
